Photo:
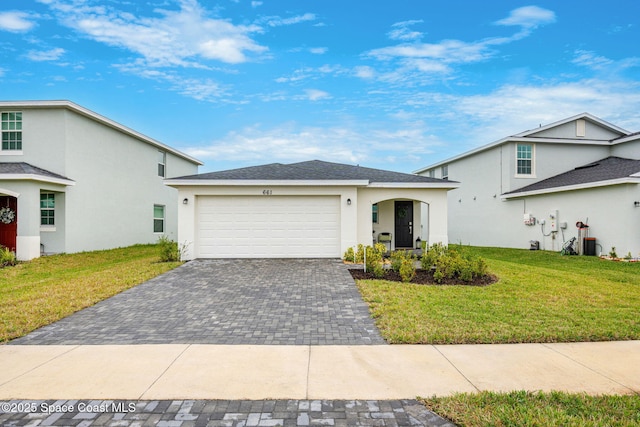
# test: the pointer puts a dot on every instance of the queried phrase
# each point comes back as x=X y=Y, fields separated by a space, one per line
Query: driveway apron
x=237 y=301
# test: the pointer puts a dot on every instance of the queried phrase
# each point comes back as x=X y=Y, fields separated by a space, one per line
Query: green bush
x=407 y=269
x=374 y=259
x=169 y=251
x=7 y=257
x=453 y=264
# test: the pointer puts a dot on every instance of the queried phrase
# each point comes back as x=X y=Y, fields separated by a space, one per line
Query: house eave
x=263 y=182
x=440 y=185
x=633 y=179
x=34 y=177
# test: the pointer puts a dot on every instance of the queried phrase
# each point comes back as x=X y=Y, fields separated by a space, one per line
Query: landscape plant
x=7 y=257
x=453 y=263
x=403 y=262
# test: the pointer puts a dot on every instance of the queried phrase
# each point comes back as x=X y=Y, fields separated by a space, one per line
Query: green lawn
x=540 y=297
x=537 y=409
x=39 y=292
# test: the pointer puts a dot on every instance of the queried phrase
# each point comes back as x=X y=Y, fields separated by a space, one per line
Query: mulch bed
x=423 y=277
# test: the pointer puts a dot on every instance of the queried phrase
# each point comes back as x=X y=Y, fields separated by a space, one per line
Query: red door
x=8 y=232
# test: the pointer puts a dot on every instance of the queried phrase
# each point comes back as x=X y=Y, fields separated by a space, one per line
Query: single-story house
x=312 y=209
x=72 y=180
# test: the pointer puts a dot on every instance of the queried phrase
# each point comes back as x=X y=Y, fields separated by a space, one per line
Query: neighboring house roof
x=21 y=170
x=530 y=136
x=609 y=171
x=98 y=118
x=314 y=170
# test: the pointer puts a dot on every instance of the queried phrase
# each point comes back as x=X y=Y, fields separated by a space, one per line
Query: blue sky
x=393 y=85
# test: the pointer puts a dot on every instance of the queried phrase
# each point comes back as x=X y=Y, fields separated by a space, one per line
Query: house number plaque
x=267 y=192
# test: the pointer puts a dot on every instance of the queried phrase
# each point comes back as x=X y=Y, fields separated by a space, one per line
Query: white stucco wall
x=116 y=183
x=117 y=186
x=356 y=226
x=610 y=212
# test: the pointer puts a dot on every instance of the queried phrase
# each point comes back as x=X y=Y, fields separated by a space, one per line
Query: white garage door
x=268 y=227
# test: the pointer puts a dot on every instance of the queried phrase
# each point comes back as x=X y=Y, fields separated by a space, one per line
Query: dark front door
x=404 y=224
x=8 y=226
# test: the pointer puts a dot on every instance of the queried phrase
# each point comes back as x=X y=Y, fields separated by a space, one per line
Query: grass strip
x=36 y=293
x=540 y=297
x=521 y=408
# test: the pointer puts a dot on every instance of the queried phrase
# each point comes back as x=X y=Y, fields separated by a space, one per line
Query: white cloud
x=276 y=21
x=175 y=38
x=202 y=89
x=318 y=50
x=369 y=145
x=529 y=17
x=364 y=72
x=401 y=31
x=255 y=4
x=596 y=62
x=45 y=55
x=437 y=58
x=316 y=95
x=15 y=21
x=480 y=119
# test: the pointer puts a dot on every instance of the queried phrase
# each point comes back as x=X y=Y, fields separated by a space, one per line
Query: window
x=374 y=213
x=158 y=219
x=431 y=173
x=445 y=172
x=524 y=159
x=47 y=209
x=162 y=161
x=12 y=130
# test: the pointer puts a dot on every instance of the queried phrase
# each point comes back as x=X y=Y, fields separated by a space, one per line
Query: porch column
x=438 y=232
x=28 y=238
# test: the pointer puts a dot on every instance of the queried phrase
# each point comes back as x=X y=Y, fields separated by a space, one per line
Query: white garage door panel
x=269 y=227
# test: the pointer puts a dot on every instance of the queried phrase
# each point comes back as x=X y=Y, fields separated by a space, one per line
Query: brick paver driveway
x=240 y=301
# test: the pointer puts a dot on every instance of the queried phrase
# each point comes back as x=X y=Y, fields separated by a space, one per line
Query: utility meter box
x=553 y=221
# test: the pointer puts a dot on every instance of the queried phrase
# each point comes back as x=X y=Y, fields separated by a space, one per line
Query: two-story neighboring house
x=539 y=184
x=72 y=180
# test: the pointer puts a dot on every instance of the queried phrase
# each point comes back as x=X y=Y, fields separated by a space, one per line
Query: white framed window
x=431 y=173
x=445 y=172
x=47 y=209
x=11 y=123
x=525 y=156
x=162 y=164
x=374 y=213
x=158 y=218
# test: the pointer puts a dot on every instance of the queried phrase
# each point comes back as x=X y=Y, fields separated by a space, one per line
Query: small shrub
x=453 y=264
x=407 y=269
x=349 y=255
x=431 y=256
x=612 y=252
x=169 y=251
x=7 y=257
x=374 y=259
x=396 y=260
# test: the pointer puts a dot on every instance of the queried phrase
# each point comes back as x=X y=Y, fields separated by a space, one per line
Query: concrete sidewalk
x=193 y=371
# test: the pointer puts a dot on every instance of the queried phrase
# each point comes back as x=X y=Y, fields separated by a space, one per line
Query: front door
x=404 y=224
x=8 y=222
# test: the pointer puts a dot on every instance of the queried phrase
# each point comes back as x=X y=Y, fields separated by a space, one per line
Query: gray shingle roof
x=313 y=170
x=21 y=168
x=602 y=170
